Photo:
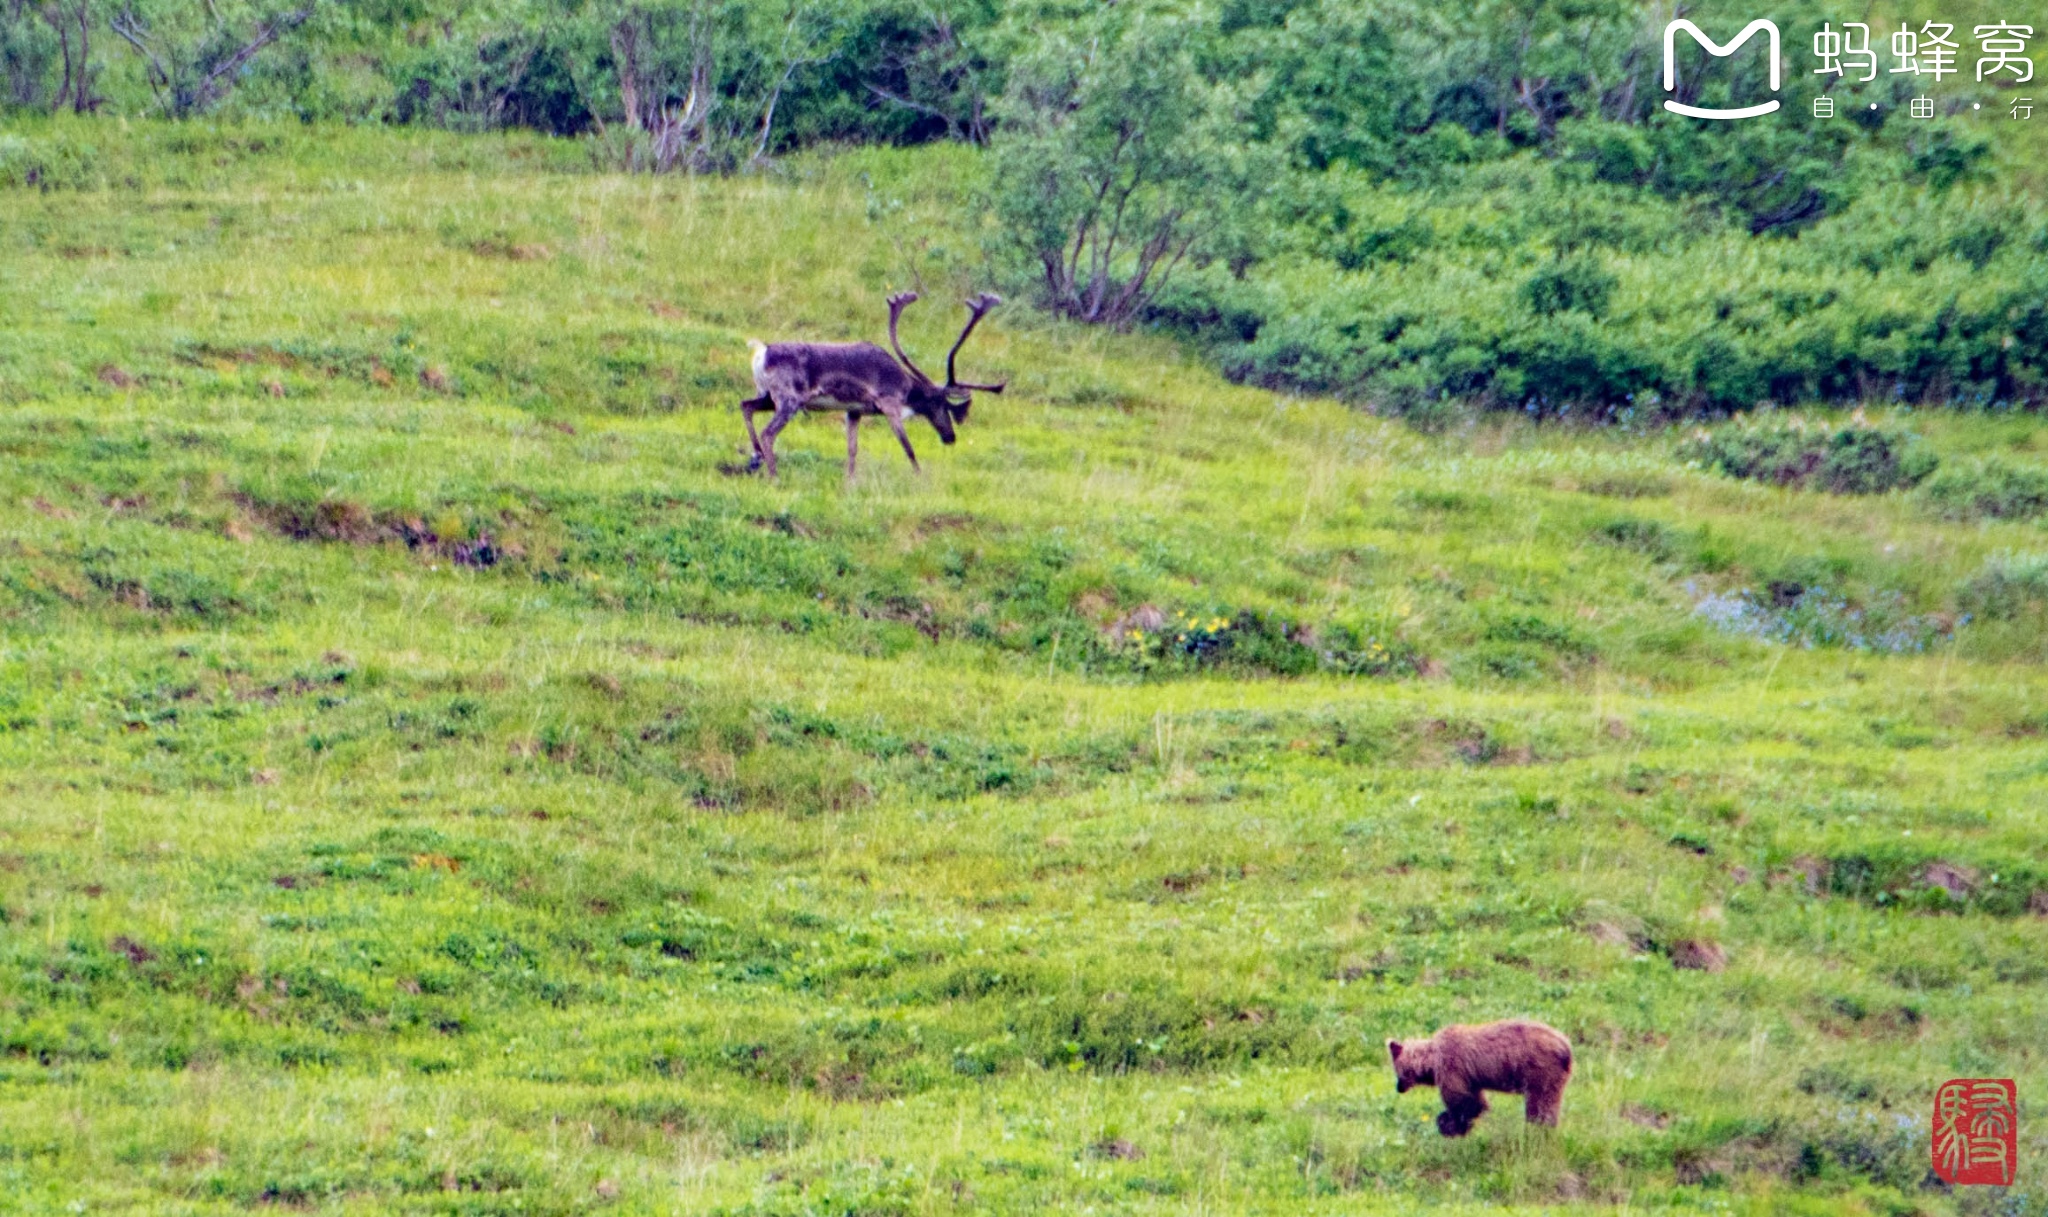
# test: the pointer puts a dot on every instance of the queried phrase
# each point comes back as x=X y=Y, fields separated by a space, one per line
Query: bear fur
x=1513 y=1057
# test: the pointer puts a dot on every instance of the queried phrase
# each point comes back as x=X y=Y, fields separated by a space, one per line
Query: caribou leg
x=852 y=440
x=903 y=437
x=786 y=409
x=748 y=409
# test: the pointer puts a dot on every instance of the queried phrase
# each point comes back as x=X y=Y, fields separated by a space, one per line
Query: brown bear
x=1513 y=1057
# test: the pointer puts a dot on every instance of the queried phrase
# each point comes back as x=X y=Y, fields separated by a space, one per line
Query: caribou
x=860 y=380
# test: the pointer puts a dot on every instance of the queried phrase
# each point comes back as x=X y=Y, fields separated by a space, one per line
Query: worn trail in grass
x=433 y=785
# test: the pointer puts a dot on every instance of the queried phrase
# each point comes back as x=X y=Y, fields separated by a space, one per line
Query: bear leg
x=1460 y=1110
x=1542 y=1104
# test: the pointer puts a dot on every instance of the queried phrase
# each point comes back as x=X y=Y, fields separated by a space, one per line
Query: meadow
x=435 y=782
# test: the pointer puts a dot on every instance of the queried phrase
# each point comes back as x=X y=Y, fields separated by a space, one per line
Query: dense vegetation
x=1420 y=208
x=433 y=784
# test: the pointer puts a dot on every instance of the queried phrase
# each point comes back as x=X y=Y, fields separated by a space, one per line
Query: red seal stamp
x=1976 y=1131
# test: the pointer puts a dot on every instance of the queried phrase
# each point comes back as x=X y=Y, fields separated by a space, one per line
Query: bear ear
x=1394 y=1049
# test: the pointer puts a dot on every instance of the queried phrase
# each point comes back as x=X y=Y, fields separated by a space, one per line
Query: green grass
x=701 y=843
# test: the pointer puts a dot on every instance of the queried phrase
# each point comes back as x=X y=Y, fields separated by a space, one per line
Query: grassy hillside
x=434 y=784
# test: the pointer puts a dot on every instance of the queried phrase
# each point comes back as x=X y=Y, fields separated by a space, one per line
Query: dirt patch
x=1955 y=880
x=1442 y=740
x=326 y=363
x=1097 y=605
x=917 y=615
x=343 y=521
x=326 y=520
x=1628 y=486
x=1614 y=934
x=1698 y=955
x=786 y=524
x=1646 y=1117
x=945 y=522
x=247 y=357
x=297 y=686
x=1145 y=619
x=511 y=251
x=136 y=953
x=1809 y=872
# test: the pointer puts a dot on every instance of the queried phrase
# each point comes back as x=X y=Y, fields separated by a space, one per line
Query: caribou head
x=943 y=406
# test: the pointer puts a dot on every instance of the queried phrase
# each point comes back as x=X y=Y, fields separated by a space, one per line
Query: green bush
x=1569 y=284
x=1988 y=489
x=1849 y=460
x=2009 y=585
x=1248 y=641
x=1651 y=538
x=1527 y=284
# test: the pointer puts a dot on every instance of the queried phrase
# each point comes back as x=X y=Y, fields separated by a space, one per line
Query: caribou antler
x=897 y=303
x=977 y=308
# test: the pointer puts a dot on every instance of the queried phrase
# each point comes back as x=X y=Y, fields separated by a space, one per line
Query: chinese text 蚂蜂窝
x=1931 y=50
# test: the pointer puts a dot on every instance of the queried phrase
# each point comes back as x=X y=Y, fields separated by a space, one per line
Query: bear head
x=1414 y=1064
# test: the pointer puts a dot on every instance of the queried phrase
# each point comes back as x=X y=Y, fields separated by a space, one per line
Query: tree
x=192 y=61
x=696 y=84
x=1115 y=162
x=41 y=38
x=27 y=49
x=1526 y=64
x=925 y=66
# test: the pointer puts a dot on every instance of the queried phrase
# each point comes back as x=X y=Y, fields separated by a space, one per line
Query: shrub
x=1651 y=538
x=1249 y=641
x=1532 y=285
x=1570 y=284
x=1991 y=488
x=1850 y=460
x=1529 y=628
x=2009 y=585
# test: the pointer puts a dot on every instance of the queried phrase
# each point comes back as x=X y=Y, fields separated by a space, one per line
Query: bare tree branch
x=952 y=125
x=179 y=100
x=209 y=89
x=126 y=26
